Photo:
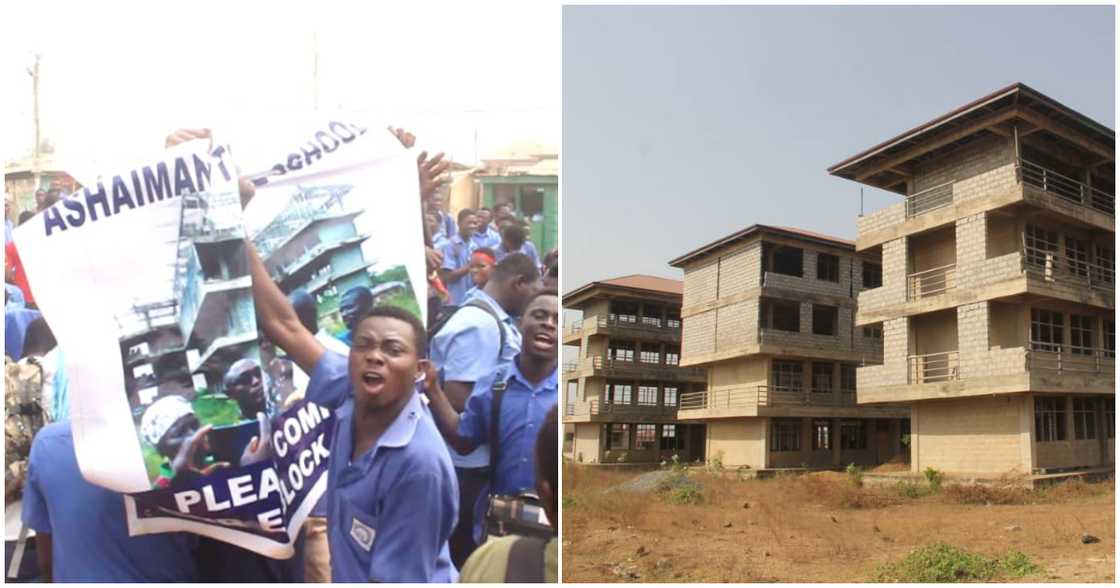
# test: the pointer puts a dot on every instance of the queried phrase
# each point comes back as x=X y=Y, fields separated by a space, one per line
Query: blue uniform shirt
x=390 y=513
x=486 y=238
x=527 y=248
x=457 y=254
x=466 y=350
x=523 y=410
x=88 y=525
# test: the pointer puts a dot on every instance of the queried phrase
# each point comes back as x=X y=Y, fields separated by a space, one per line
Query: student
x=474 y=341
x=530 y=391
x=392 y=500
x=439 y=240
x=521 y=559
x=514 y=241
x=457 y=258
x=486 y=235
x=446 y=224
x=82 y=530
x=482 y=265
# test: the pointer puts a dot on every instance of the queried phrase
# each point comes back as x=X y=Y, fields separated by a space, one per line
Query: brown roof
x=642 y=282
x=1017 y=95
x=751 y=230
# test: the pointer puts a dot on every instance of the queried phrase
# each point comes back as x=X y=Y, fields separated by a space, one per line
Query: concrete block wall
x=808 y=281
x=871 y=347
x=700 y=283
x=881 y=219
x=740 y=271
x=699 y=334
x=972 y=160
x=895 y=266
x=999 y=180
x=896 y=337
x=972 y=338
x=983 y=435
x=736 y=325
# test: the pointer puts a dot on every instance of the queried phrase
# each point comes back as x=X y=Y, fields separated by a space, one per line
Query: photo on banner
x=187 y=410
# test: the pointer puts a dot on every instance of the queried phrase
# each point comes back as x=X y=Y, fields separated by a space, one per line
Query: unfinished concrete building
x=623 y=390
x=997 y=299
x=768 y=311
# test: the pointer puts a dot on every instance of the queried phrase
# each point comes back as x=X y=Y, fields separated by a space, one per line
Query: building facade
x=997 y=299
x=623 y=391
x=769 y=311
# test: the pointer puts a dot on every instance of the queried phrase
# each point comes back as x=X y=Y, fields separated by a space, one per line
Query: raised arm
x=278 y=318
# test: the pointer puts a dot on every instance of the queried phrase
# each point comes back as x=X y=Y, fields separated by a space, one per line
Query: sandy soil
x=804 y=529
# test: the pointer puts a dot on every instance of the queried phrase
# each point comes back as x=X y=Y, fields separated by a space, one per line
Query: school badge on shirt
x=362 y=533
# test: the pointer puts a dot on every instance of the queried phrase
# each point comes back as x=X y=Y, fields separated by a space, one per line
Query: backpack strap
x=478 y=303
x=498 y=390
x=526 y=561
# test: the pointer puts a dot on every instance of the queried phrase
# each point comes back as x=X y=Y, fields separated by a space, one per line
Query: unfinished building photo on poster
x=191 y=358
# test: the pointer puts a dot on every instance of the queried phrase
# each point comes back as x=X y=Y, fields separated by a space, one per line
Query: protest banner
x=144 y=278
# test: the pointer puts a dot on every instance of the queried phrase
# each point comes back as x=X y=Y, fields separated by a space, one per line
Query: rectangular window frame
x=828 y=267
x=853 y=436
x=618 y=437
x=647 y=395
x=1084 y=418
x=1047 y=330
x=785 y=435
x=670 y=395
x=645 y=436
x=822 y=376
x=1049 y=419
x=825 y=315
x=822 y=434
x=872 y=275
x=787 y=375
x=619 y=394
x=1081 y=341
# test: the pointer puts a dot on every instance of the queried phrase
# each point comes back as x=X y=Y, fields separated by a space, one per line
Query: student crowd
x=444 y=455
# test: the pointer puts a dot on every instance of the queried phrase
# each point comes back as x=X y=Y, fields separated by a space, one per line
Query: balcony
x=642 y=328
x=934 y=367
x=598 y=365
x=1048 y=266
x=596 y=410
x=1070 y=359
x=931 y=282
x=766 y=400
x=1066 y=188
x=929 y=199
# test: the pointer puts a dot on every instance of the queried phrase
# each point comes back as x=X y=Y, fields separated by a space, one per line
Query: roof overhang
x=888 y=165
x=747 y=233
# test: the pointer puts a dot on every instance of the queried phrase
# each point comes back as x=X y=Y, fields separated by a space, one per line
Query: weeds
x=681 y=490
x=855 y=474
x=911 y=489
x=716 y=463
x=933 y=477
x=940 y=562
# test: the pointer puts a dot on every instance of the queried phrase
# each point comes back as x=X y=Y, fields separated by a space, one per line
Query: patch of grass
x=681 y=490
x=980 y=494
x=911 y=489
x=941 y=562
x=1076 y=488
x=840 y=493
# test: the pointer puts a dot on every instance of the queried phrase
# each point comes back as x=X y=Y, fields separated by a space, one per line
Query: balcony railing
x=1049 y=266
x=600 y=362
x=929 y=199
x=931 y=282
x=640 y=323
x=1059 y=358
x=599 y=408
x=763 y=396
x=1065 y=187
x=934 y=367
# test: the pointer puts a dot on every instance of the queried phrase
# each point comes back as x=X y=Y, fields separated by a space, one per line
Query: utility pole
x=35 y=167
x=315 y=68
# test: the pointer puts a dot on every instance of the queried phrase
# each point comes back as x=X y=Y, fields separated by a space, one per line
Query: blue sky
x=684 y=124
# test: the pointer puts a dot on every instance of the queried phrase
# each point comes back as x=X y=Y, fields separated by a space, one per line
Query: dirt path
x=787 y=531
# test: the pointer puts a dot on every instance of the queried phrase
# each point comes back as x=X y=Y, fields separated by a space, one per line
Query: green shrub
x=940 y=562
x=934 y=478
x=716 y=463
x=679 y=489
x=855 y=474
x=911 y=489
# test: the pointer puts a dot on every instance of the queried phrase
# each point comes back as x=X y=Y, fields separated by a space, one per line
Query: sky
x=117 y=77
x=684 y=124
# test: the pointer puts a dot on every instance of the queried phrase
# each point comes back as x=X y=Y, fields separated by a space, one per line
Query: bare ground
x=818 y=528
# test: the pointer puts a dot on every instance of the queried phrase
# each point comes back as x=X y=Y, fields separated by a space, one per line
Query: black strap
x=498 y=390
x=478 y=303
x=526 y=561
